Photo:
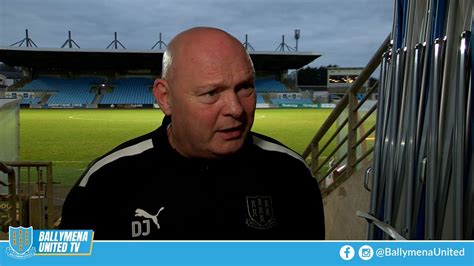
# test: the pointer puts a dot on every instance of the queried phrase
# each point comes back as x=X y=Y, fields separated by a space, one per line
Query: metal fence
x=30 y=200
x=341 y=145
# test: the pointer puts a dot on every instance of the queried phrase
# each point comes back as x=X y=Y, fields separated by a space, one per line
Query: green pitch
x=73 y=138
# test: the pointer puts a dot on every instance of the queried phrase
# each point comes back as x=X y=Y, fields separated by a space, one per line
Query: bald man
x=203 y=174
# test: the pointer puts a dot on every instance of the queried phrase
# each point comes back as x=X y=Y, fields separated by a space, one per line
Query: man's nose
x=233 y=106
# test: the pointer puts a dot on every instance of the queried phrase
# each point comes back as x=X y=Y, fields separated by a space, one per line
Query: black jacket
x=143 y=189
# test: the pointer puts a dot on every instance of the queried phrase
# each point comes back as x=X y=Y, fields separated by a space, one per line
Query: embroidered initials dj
x=137 y=227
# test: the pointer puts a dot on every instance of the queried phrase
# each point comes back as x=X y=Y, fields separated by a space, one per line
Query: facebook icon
x=347 y=252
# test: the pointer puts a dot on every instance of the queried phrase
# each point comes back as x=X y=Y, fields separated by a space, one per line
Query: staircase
x=98 y=98
x=340 y=153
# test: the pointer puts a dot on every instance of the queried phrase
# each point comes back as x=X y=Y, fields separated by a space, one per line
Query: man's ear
x=161 y=93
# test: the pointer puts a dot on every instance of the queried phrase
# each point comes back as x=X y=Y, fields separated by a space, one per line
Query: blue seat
x=269 y=85
x=130 y=91
x=65 y=91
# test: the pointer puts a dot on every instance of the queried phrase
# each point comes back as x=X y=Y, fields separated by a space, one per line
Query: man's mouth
x=232 y=133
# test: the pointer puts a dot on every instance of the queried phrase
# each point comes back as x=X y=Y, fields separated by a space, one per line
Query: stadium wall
x=341 y=206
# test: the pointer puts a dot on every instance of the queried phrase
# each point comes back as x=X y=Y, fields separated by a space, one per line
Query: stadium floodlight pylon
x=70 y=42
x=115 y=43
x=247 y=45
x=160 y=44
x=283 y=46
x=297 y=37
x=27 y=41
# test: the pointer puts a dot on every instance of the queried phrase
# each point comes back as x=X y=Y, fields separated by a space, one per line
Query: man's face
x=212 y=100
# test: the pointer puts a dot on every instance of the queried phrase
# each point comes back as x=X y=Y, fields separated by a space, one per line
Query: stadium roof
x=86 y=59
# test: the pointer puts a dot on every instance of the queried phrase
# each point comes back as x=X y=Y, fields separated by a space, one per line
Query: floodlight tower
x=283 y=45
x=247 y=45
x=70 y=42
x=297 y=37
x=160 y=43
x=29 y=42
x=115 y=42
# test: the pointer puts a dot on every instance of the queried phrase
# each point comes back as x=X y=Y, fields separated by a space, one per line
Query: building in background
x=340 y=79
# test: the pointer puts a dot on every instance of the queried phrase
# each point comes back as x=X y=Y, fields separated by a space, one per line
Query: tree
x=316 y=76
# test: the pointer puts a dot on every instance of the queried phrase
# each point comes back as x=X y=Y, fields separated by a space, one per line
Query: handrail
x=370 y=91
x=6 y=169
x=339 y=129
x=42 y=188
x=391 y=231
x=48 y=182
x=350 y=104
x=356 y=86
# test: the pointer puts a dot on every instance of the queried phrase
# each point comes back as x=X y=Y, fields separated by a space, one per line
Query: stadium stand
x=130 y=91
x=125 y=90
x=30 y=100
x=65 y=91
x=260 y=98
x=41 y=84
x=269 y=85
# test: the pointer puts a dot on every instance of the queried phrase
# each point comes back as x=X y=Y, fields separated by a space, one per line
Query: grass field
x=72 y=138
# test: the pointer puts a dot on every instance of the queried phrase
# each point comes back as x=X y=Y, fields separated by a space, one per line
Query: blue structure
x=292 y=101
x=130 y=91
x=126 y=90
x=64 y=91
x=269 y=85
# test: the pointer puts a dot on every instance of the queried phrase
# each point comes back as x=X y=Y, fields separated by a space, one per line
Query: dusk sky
x=345 y=32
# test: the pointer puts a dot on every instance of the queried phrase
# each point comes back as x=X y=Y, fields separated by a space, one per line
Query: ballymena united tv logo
x=21 y=242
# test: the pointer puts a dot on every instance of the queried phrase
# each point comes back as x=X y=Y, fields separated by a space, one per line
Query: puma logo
x=144 y=214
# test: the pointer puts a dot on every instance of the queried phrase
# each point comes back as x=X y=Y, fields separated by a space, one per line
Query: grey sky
x=345 y=32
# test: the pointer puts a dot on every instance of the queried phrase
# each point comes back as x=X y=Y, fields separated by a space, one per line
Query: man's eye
x=210 y=96
x=211 y=93
x=246 y=91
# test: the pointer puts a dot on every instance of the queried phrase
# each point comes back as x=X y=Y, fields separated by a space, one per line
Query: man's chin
x=228 y=148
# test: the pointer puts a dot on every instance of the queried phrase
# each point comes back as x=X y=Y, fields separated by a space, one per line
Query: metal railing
x=35 y=184
x=342 y=163
x=10 y=212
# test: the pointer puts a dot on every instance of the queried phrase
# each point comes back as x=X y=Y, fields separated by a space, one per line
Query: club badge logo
x=21 y=242
x=260 y=212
